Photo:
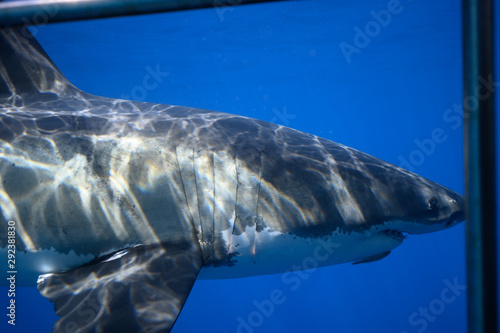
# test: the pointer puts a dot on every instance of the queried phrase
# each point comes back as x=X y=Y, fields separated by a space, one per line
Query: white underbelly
x=265 y=252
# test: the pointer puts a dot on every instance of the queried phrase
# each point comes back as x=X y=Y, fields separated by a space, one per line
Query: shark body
x=123 y=203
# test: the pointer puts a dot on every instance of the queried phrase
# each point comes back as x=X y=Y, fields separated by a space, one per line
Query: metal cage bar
x=50 y=11
x=480 y=173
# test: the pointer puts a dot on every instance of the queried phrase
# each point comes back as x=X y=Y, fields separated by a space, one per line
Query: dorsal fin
x=25 y=68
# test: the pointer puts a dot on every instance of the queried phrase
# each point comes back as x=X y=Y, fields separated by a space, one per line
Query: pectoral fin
x=376 y=257
x=140 y=289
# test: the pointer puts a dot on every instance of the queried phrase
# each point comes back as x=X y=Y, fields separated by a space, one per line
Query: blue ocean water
x=304 y=64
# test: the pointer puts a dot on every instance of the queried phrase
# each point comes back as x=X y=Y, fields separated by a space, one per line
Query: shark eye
x=433 y=203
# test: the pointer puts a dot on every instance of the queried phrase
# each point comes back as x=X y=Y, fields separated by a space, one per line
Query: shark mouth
x=395 y=234
x=455 y=218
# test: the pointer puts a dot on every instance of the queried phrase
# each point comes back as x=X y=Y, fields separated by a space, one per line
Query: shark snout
x=457 y=206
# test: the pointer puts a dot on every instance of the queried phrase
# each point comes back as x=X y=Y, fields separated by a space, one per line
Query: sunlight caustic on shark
x=128 y=203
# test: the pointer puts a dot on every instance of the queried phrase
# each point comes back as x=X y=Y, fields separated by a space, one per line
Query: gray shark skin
x=119 y=205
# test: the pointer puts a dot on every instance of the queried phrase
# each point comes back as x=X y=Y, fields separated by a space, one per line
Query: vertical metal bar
x=480 y=174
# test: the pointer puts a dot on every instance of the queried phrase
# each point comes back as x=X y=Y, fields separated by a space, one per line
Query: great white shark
x=119 y=206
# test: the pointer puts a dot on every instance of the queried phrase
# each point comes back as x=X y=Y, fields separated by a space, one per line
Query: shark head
x=332 y=188
x=297 y=189
x=405 y=202
x=429 y=207
x=414 y=205
x=381 y=195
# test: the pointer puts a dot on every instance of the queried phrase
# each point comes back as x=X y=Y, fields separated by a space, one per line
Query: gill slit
x=257 y=220
x=213 y=205
x=191 y=219
x=230 y=246
x=202 y=243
